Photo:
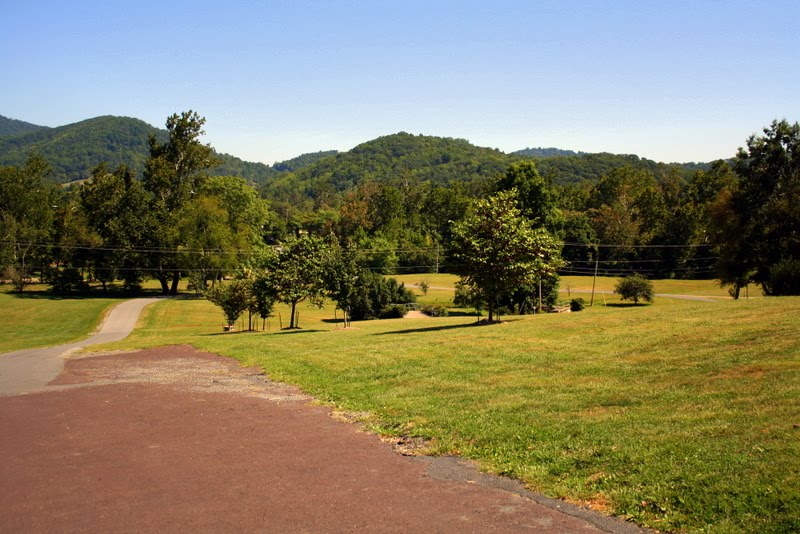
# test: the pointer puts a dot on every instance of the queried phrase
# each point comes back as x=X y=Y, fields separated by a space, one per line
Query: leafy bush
x=784 y=278
x=67 y=281
x=577 y=304
x=232 y=297
x=435 y=310
x=635 y=287
x=372 y=294
x=469 y=297
x=396 y=311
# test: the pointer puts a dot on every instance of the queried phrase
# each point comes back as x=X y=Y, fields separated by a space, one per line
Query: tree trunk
x=291 y=321
x=162 y=278
x=176 y=277
x=490 y=305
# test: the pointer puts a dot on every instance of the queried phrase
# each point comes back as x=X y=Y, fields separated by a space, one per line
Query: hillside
x=75 y=149
x=403 y=157
x=15 y=127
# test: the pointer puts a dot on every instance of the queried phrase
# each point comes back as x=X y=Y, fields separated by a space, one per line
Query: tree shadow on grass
x=442 y=328
x=46 y=294
x=626 y=305
x=285 y=331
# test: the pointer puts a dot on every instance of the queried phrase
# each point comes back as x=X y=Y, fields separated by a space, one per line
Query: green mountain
x=568 y=167
x=15 y=127
x=75 y=149
x=402 y=157
x=541 y=152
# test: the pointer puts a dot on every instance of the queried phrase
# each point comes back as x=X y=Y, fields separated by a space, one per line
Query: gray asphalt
x=30 y=370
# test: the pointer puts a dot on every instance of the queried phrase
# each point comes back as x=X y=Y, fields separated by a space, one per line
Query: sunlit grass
x=34 y=318
x=680 y=415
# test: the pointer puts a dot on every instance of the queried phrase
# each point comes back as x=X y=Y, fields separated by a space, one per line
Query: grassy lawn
x=581 y=284
x=680 y=415
x=36 y=319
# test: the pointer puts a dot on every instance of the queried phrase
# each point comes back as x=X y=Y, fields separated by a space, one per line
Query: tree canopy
x=495 y=248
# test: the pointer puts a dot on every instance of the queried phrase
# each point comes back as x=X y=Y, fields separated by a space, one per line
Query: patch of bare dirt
x=179 y=366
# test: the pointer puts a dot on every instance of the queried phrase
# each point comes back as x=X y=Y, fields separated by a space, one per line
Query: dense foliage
x=15 y=127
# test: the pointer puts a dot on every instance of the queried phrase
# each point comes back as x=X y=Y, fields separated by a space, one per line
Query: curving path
x=30 y=370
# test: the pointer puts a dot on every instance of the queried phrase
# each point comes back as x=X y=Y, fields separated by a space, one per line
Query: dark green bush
x=67 y=281
x=435 y=310
x=577 y=304
x=396 y=311
x=784 y=278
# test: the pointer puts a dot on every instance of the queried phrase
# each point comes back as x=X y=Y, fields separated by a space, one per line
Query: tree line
x=735 y=221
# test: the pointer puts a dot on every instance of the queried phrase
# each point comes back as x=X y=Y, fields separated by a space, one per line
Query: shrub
x=635 y=287
x=395 y=311
x=424 y=287
x=784 y=278
x=435 y=310
x=577 y=304
x=67 y=281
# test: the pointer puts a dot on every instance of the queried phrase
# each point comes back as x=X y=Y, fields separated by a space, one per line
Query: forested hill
x=540 y=152
x=581 y=166
x=75 y=149
x=15 y=127
x=399 y=157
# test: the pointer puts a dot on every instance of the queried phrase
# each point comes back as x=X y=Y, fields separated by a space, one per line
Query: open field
x=681 y=415
x=582 y=284
x=36 y=319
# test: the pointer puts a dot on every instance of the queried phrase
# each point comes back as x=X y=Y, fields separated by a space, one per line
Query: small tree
x=299 y=273
x=424 y=287
x=495 y=249
x=635 y=287
x=233 y=297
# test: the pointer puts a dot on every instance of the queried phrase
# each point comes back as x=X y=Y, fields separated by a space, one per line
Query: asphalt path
x=30 y=370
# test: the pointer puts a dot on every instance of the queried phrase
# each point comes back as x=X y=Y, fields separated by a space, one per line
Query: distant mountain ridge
x=549 y=152
x=75 y=149
x=15 y=127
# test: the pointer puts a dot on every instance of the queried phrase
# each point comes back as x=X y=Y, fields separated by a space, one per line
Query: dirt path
x=31 y=370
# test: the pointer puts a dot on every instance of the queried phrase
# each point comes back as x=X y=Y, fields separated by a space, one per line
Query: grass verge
x=35 y=318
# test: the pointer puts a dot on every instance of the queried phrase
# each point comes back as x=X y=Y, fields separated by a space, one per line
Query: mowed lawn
x=34 y=318
x=681 y=415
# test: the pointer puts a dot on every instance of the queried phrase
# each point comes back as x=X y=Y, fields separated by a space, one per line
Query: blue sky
x=668 y=80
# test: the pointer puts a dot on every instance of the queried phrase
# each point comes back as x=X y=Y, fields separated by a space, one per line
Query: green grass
x=680 y=415
x=580 y=285
x=36 y=319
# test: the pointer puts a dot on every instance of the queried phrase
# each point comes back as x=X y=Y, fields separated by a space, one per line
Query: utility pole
x=540 y=295
x=437 y=258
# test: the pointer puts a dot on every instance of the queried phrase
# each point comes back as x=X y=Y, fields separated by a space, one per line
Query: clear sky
x=669 y=80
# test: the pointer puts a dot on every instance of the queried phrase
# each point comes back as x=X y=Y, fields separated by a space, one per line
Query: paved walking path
x=30 y=370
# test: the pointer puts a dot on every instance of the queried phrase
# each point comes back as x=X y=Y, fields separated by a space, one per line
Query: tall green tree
x=766 y=202
x=117 y=210
x=173 y=175
x=495 y=249
x=537 y=199
x=27 y=199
